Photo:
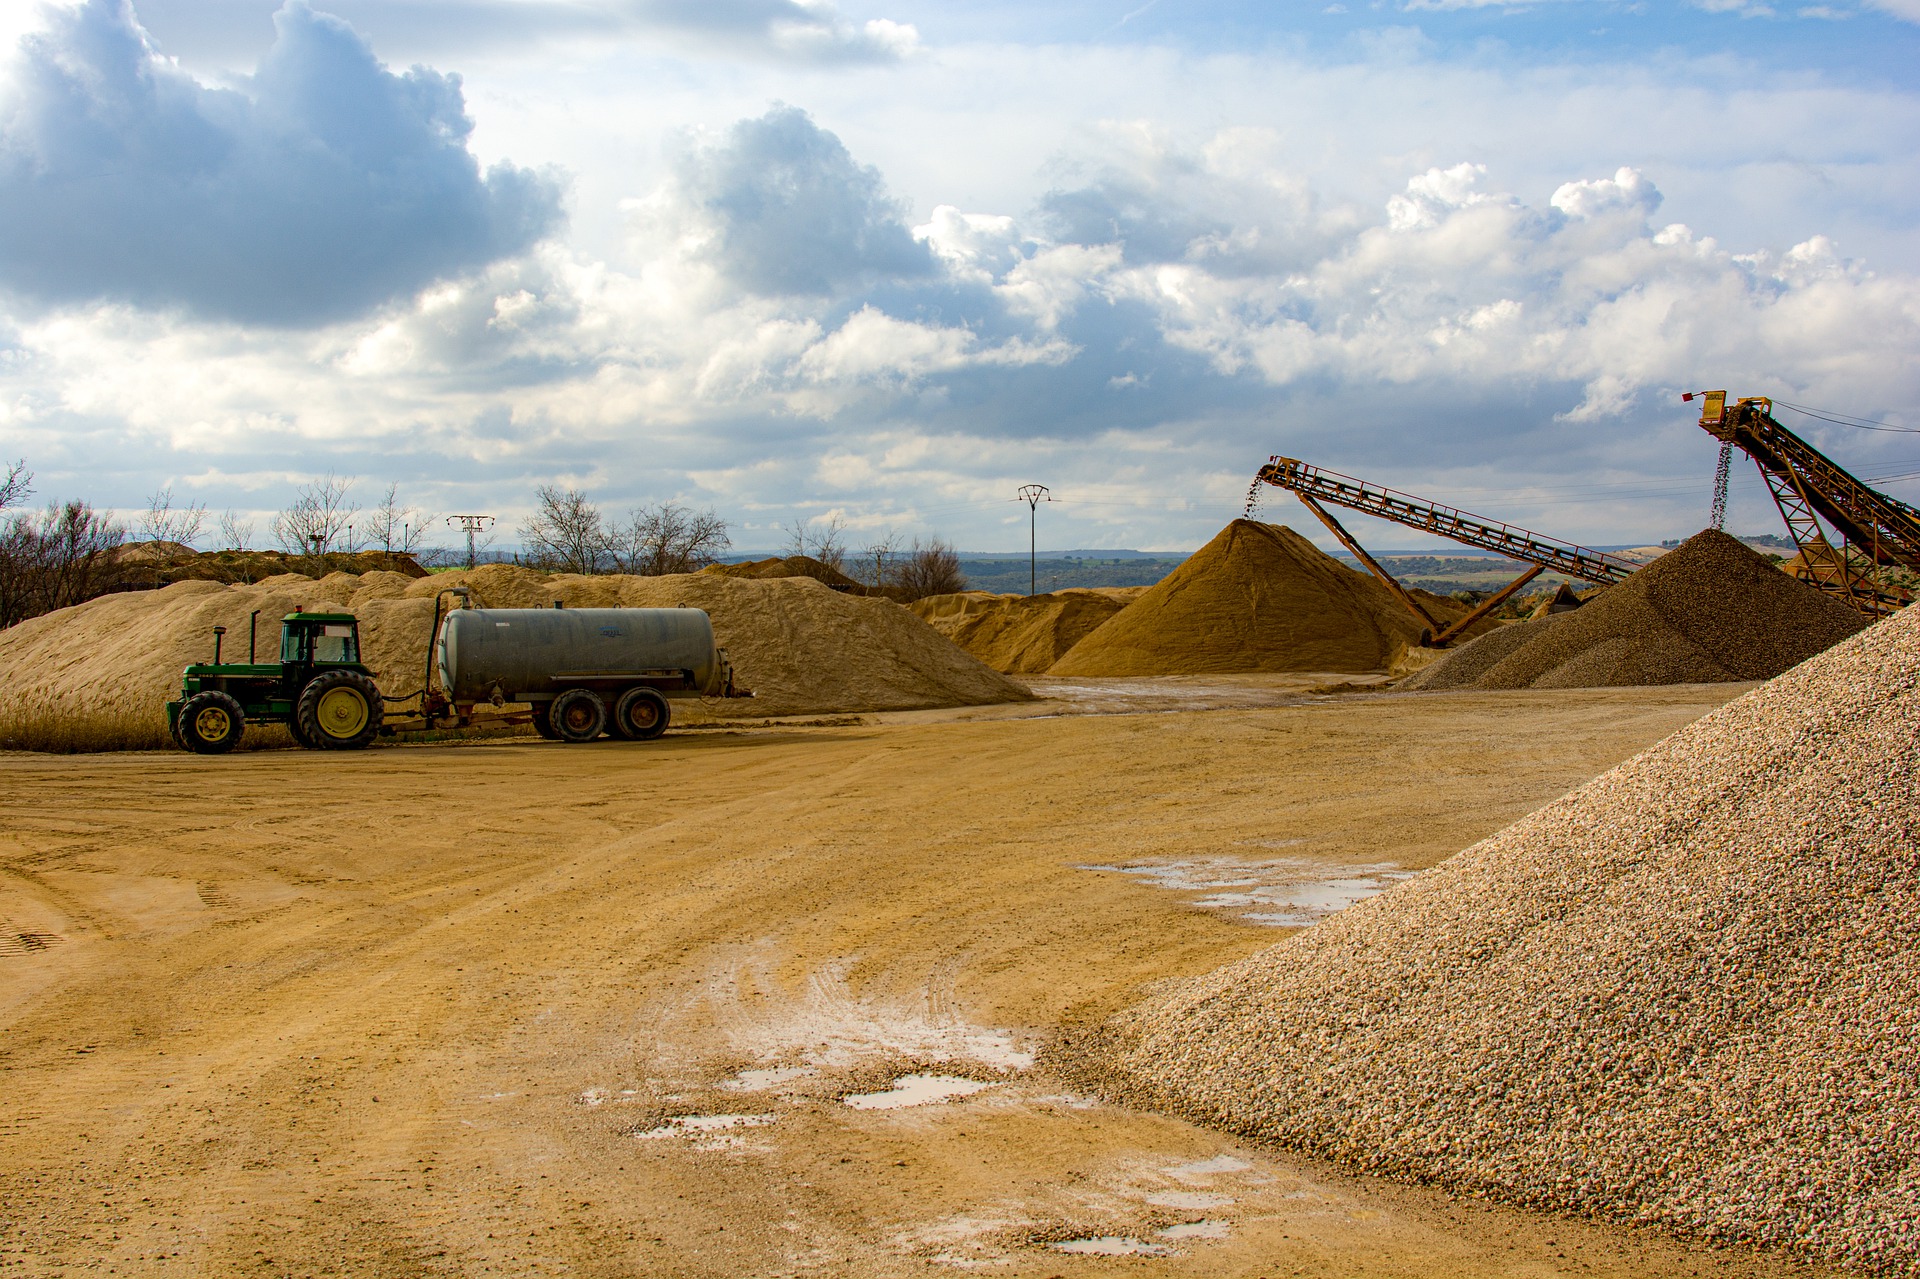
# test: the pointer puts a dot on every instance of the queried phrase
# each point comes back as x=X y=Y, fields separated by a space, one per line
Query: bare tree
x=320 y=518
x=877 y=559
x=567 y=534
x=164 y=523
x=235 y=532
x=62 y=557
x=16 y=486
x=398 y=529
x=932 y=569
x=822 y=540
x=670 y=538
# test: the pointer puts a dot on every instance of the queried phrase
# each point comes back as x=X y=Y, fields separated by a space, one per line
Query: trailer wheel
x=542 y=723
x=339 y=710
x=210 y=723
x=578 y=715
x=640 y=715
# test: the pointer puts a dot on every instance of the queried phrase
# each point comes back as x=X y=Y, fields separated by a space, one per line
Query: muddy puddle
x=1276 y=892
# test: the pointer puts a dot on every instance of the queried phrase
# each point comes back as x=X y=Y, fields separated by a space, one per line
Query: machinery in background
x=1875 y=532
x=1316 y=487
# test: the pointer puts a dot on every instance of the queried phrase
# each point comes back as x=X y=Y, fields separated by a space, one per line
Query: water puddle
x=1279 y=892
x=1213 y=1167
x=700 y=1125
x=1196 y=1230
x=917 y=1090
x=762 y=1080
x=1114 y=1246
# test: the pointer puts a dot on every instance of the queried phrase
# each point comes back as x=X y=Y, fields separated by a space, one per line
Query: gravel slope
x=1710 y=611
x=1686 y=994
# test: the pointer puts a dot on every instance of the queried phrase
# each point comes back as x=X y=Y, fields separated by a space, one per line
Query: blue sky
x=890 y=261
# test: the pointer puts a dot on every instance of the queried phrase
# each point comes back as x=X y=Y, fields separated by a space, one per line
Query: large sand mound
x=101 y=672
x=787 y=566
x=1686 y=994
x=1023 y=634
x=1711 y=611
x=1258 y=597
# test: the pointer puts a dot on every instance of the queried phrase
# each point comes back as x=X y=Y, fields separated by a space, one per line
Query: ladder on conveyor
x=1316 y=487
x=1875 y=531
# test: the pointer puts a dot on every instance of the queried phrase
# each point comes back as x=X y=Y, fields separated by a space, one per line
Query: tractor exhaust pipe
x=218 y=631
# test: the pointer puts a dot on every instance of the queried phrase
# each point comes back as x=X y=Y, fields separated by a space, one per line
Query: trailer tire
x=578 y=715
x=210 y=723
x=640 y=715
x=340 y=711
x=542 y=723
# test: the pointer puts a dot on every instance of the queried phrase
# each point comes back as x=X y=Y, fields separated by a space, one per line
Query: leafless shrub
x=17 y=485
x=398 y=529
x=930 y=569
x=63 y=556
x=669 y=538
x=567 y=534
x=824 y=540
x=163 y=522
x=320 y=519
x=235 y=532
x=878 y=560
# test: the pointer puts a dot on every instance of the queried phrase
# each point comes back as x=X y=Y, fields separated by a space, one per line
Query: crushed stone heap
x=101 y=672
x=1023 y=634
x=1709 y=612
x=1258 y=597
x=1686 y=994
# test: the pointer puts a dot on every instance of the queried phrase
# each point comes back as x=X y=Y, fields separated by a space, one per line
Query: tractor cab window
x=328 y=643
x=336 y=642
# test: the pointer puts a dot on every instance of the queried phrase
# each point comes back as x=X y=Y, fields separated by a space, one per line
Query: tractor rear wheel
x=339 y=710
x=210 y=723
x=578 y=715
x=640 y=715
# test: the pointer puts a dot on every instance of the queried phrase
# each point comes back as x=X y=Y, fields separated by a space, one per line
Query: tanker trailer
x=584 y=671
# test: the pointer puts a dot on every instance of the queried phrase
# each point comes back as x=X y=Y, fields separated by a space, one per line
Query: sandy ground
x=525 y=1008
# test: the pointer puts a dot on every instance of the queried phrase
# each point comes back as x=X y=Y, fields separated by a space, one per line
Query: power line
x=1857 y=423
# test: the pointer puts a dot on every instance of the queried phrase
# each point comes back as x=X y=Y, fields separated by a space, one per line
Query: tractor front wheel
x=339 y=710
x=210 y=723
x=578 y=715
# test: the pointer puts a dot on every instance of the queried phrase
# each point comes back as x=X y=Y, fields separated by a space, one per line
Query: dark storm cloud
x=320 y=187
x=792 y=213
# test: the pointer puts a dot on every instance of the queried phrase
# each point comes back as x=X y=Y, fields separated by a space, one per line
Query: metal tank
x=534 y=654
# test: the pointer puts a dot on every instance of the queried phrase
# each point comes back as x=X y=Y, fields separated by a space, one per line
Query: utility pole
x=471 y=524
x=1033 y=495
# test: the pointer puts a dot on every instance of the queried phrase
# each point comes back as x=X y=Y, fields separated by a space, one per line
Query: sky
x=887 y=262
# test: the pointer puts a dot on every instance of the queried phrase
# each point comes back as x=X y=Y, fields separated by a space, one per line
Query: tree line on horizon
x=70 y=551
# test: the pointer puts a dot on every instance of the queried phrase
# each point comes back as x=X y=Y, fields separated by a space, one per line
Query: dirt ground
x=524 y=1008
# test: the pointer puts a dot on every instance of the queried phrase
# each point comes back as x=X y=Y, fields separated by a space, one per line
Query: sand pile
x=1023 y=634
x=101 y=672
x=1258 y=597
x=1710 y=611
x=787 y=566
x=1686 y=994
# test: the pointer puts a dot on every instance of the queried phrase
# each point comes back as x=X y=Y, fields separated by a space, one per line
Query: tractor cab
x=309 y=640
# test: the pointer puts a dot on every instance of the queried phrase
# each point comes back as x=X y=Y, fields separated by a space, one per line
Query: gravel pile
x=1687 y=994
x=1258 y=597
x=1709 y=612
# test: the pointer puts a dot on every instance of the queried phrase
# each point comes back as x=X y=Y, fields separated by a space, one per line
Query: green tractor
x=318 y=689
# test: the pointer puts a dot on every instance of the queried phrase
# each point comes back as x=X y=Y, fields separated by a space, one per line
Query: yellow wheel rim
x=342 y=712
x=212 y=725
